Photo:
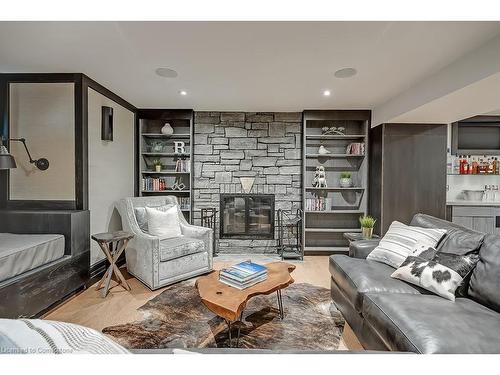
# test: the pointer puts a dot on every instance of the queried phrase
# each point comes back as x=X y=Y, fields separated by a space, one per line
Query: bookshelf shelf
x=335 y=212
x=334 y=156
x=330 y=212
x=171 y=154
x=336 y=137
x=328 y=249
x=164 y=136
x=169 y=191
x=334 y=189
x=165 y=172
x=150 y=123
x=333 y=230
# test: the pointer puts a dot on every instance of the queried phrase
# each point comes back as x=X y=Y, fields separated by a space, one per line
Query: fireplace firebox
x=247 y=216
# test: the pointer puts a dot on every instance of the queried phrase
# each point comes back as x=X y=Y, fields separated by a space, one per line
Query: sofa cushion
x=458 y=240
x=35 y=336
x=484 y=284
x=141 y=217
x=464 y=265
x=164 y=224
x=355 y=277
x=400 y=240
x=429 y=275
x=431 y=324
x=177 y=247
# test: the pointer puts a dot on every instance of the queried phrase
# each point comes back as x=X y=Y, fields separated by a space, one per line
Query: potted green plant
x=345 y=179
x=367 y=224
x=158 y=165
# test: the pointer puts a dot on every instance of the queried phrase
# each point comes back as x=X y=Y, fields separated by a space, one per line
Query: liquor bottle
x=466 y=165
x=449 y=162
x=456 y=165
x=474 y=166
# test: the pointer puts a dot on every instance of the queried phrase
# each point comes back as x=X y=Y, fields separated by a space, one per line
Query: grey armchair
x=156 y=262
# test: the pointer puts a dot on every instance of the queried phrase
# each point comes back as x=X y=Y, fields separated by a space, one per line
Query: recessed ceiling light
x=166 y=73
x=345 y=73
x=183 y=93
x=327 y=93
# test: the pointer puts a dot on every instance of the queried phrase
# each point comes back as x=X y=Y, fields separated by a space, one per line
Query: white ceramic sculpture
x=323 y=151
x=319 y=179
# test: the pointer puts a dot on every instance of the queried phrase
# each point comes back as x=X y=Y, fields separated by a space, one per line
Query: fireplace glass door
x=247 y=216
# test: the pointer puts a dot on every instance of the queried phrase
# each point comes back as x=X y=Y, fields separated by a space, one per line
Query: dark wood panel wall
x=82 y=84
x=407 y=172
x=32 y=293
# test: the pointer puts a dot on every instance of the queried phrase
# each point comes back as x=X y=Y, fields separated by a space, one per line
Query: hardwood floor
x=89 y=309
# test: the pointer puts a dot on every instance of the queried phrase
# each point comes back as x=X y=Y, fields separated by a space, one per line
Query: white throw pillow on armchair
x=163 y=224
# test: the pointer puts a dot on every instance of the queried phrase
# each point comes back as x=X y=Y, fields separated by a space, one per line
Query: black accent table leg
x=280 y=303
x=229 y=333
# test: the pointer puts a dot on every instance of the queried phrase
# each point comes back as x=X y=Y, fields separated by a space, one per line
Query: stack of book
x=356 y=149
x=243 y=275
x=154 y=184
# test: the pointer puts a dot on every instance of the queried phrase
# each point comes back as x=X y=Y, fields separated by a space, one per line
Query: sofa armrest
x=142 y=255
x=202 y=233
x=360 y=249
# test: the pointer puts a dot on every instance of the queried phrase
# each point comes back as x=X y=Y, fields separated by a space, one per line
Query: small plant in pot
x=345 y=179
x=367 y=224
x=158 y=165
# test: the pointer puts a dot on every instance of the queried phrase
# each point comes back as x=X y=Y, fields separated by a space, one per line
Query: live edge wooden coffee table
x=229 y=303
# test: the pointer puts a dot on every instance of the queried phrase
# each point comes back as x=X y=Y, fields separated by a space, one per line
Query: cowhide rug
x=177 y=318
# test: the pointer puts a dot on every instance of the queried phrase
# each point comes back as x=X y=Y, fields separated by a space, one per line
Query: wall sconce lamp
x=7 y=161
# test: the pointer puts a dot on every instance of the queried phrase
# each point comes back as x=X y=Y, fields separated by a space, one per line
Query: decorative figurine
x=323 y=151
x=333 y=130
x=167 y=129
x=319 y=177
x=178 y=185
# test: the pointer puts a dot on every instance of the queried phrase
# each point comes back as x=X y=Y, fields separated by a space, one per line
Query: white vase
x=345 y=182
x=167 y=129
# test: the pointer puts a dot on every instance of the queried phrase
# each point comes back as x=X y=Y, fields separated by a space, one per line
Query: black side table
x=356 y=236
x=112 y=245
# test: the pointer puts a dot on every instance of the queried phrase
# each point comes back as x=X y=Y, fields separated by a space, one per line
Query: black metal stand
x=209 y=220
x=290 y=235
x=240 y=321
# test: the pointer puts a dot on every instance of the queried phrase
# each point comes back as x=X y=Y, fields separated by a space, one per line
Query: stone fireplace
x=246 y=216
x=263 y=146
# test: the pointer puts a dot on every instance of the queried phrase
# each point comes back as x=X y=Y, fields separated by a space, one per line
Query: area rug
x=177 y=318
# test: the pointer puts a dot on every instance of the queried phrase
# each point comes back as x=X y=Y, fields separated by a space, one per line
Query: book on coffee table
x=241 y=286
x=243 y=275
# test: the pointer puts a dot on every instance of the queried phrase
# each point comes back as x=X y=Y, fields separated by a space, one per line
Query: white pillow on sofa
x=400 y=240
x=35 y=336
x=163 y=224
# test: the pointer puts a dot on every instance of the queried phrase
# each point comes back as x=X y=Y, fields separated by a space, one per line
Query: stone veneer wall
x=230 y=145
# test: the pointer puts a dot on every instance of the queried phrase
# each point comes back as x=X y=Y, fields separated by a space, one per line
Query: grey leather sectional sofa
x=390 y=314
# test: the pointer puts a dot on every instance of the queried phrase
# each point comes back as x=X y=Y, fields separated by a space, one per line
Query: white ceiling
x=252 y=66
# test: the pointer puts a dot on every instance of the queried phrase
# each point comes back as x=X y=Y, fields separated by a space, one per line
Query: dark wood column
x=407 y=172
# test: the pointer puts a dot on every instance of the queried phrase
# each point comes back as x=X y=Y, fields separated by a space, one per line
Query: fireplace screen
x=247 y=216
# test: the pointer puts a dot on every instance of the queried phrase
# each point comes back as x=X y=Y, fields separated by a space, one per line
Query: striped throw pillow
x=400 y=240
